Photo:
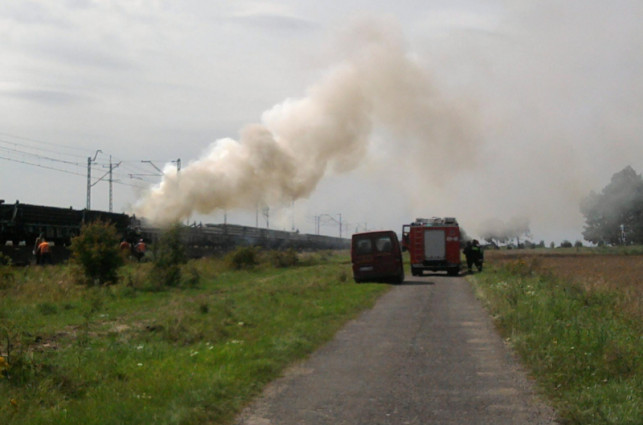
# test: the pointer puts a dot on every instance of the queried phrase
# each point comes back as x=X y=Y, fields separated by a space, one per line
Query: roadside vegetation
x=167 y=341
x=576 y=320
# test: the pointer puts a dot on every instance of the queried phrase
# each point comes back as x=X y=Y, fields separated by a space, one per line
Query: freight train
x=21 y=224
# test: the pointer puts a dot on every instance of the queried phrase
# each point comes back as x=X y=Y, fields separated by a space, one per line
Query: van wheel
x=399 y=278
x=453 y=271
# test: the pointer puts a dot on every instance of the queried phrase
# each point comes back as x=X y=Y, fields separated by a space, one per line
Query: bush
x=4 y=260
x=168 y=258
x=96 y=252
x=243 y=257
x=286 y=258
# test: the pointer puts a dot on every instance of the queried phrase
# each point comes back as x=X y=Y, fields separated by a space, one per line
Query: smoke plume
x=500 y=231
x=299 y=141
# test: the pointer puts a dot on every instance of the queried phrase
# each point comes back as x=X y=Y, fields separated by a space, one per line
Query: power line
x=41 y=166
x=41 y=156
x=20 y=152
x=41 y=142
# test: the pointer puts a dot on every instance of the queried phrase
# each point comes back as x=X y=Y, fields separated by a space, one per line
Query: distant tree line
x=615 y=215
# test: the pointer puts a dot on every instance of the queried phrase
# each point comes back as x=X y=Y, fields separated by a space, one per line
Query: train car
x=23 y=223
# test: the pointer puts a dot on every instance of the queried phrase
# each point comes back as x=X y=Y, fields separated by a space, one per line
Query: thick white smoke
x=299 y=140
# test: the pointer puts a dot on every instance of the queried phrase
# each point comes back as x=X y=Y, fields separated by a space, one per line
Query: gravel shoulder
x=427 y=353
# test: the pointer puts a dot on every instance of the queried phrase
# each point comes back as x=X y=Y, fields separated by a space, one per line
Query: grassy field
x=130 y=353
x=575 y=318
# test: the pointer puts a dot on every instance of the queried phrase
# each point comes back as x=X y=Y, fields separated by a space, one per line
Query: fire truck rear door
x=434 y=246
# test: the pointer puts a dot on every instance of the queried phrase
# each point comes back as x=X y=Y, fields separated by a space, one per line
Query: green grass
x=585 y=354
x=195 y=354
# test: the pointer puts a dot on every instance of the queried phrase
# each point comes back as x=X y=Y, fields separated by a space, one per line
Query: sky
x=301 y=114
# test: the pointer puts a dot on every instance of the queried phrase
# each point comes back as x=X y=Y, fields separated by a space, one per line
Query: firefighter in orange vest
x=126 y=248
x=43 y=251
x=140 y=249
x=36 y=251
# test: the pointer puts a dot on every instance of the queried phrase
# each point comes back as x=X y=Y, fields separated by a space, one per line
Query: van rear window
x=384 y=244
x=364 y=246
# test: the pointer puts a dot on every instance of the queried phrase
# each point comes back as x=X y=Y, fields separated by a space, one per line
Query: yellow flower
x=14 y=402
x=3 y=364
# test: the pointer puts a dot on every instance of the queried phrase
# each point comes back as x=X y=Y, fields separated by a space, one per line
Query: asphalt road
x=427 y=353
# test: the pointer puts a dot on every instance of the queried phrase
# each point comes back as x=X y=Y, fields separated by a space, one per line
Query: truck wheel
x=453 y=271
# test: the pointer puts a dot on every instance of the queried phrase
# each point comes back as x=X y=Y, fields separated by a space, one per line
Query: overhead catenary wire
x=47 y=158
x=41 y=166
x=35 y=155
x=66 y=159
x=58 y=147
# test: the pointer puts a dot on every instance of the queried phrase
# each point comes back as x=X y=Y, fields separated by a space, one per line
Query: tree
x=615 y=216
x=97 y=252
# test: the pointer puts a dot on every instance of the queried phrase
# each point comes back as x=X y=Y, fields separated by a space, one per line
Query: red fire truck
x=433 y=244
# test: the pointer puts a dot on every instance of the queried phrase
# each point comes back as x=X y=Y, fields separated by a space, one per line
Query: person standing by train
x=126 y=249
x=140 y=249
x=36 y=245
x=44 y=250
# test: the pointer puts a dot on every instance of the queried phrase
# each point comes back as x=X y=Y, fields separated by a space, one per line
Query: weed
x=192 y=276
x=6 y=277
x=573 y=335
x=47 y=308
x=18 y=366
x=343 y=276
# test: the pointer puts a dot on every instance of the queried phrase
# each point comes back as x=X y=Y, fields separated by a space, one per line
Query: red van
x=377 y=256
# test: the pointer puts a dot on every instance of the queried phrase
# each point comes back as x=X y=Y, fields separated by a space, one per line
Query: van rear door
x=377 y=256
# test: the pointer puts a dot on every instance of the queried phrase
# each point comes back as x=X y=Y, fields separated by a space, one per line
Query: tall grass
x=193 y=354
x=584 y=351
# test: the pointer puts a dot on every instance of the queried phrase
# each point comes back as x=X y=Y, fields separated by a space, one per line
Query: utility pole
x=89 y=178
x=111 y=205
x=266 y=214
x=111 y=180
x=331 y=218
x=292 y=212
x=111 y=168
